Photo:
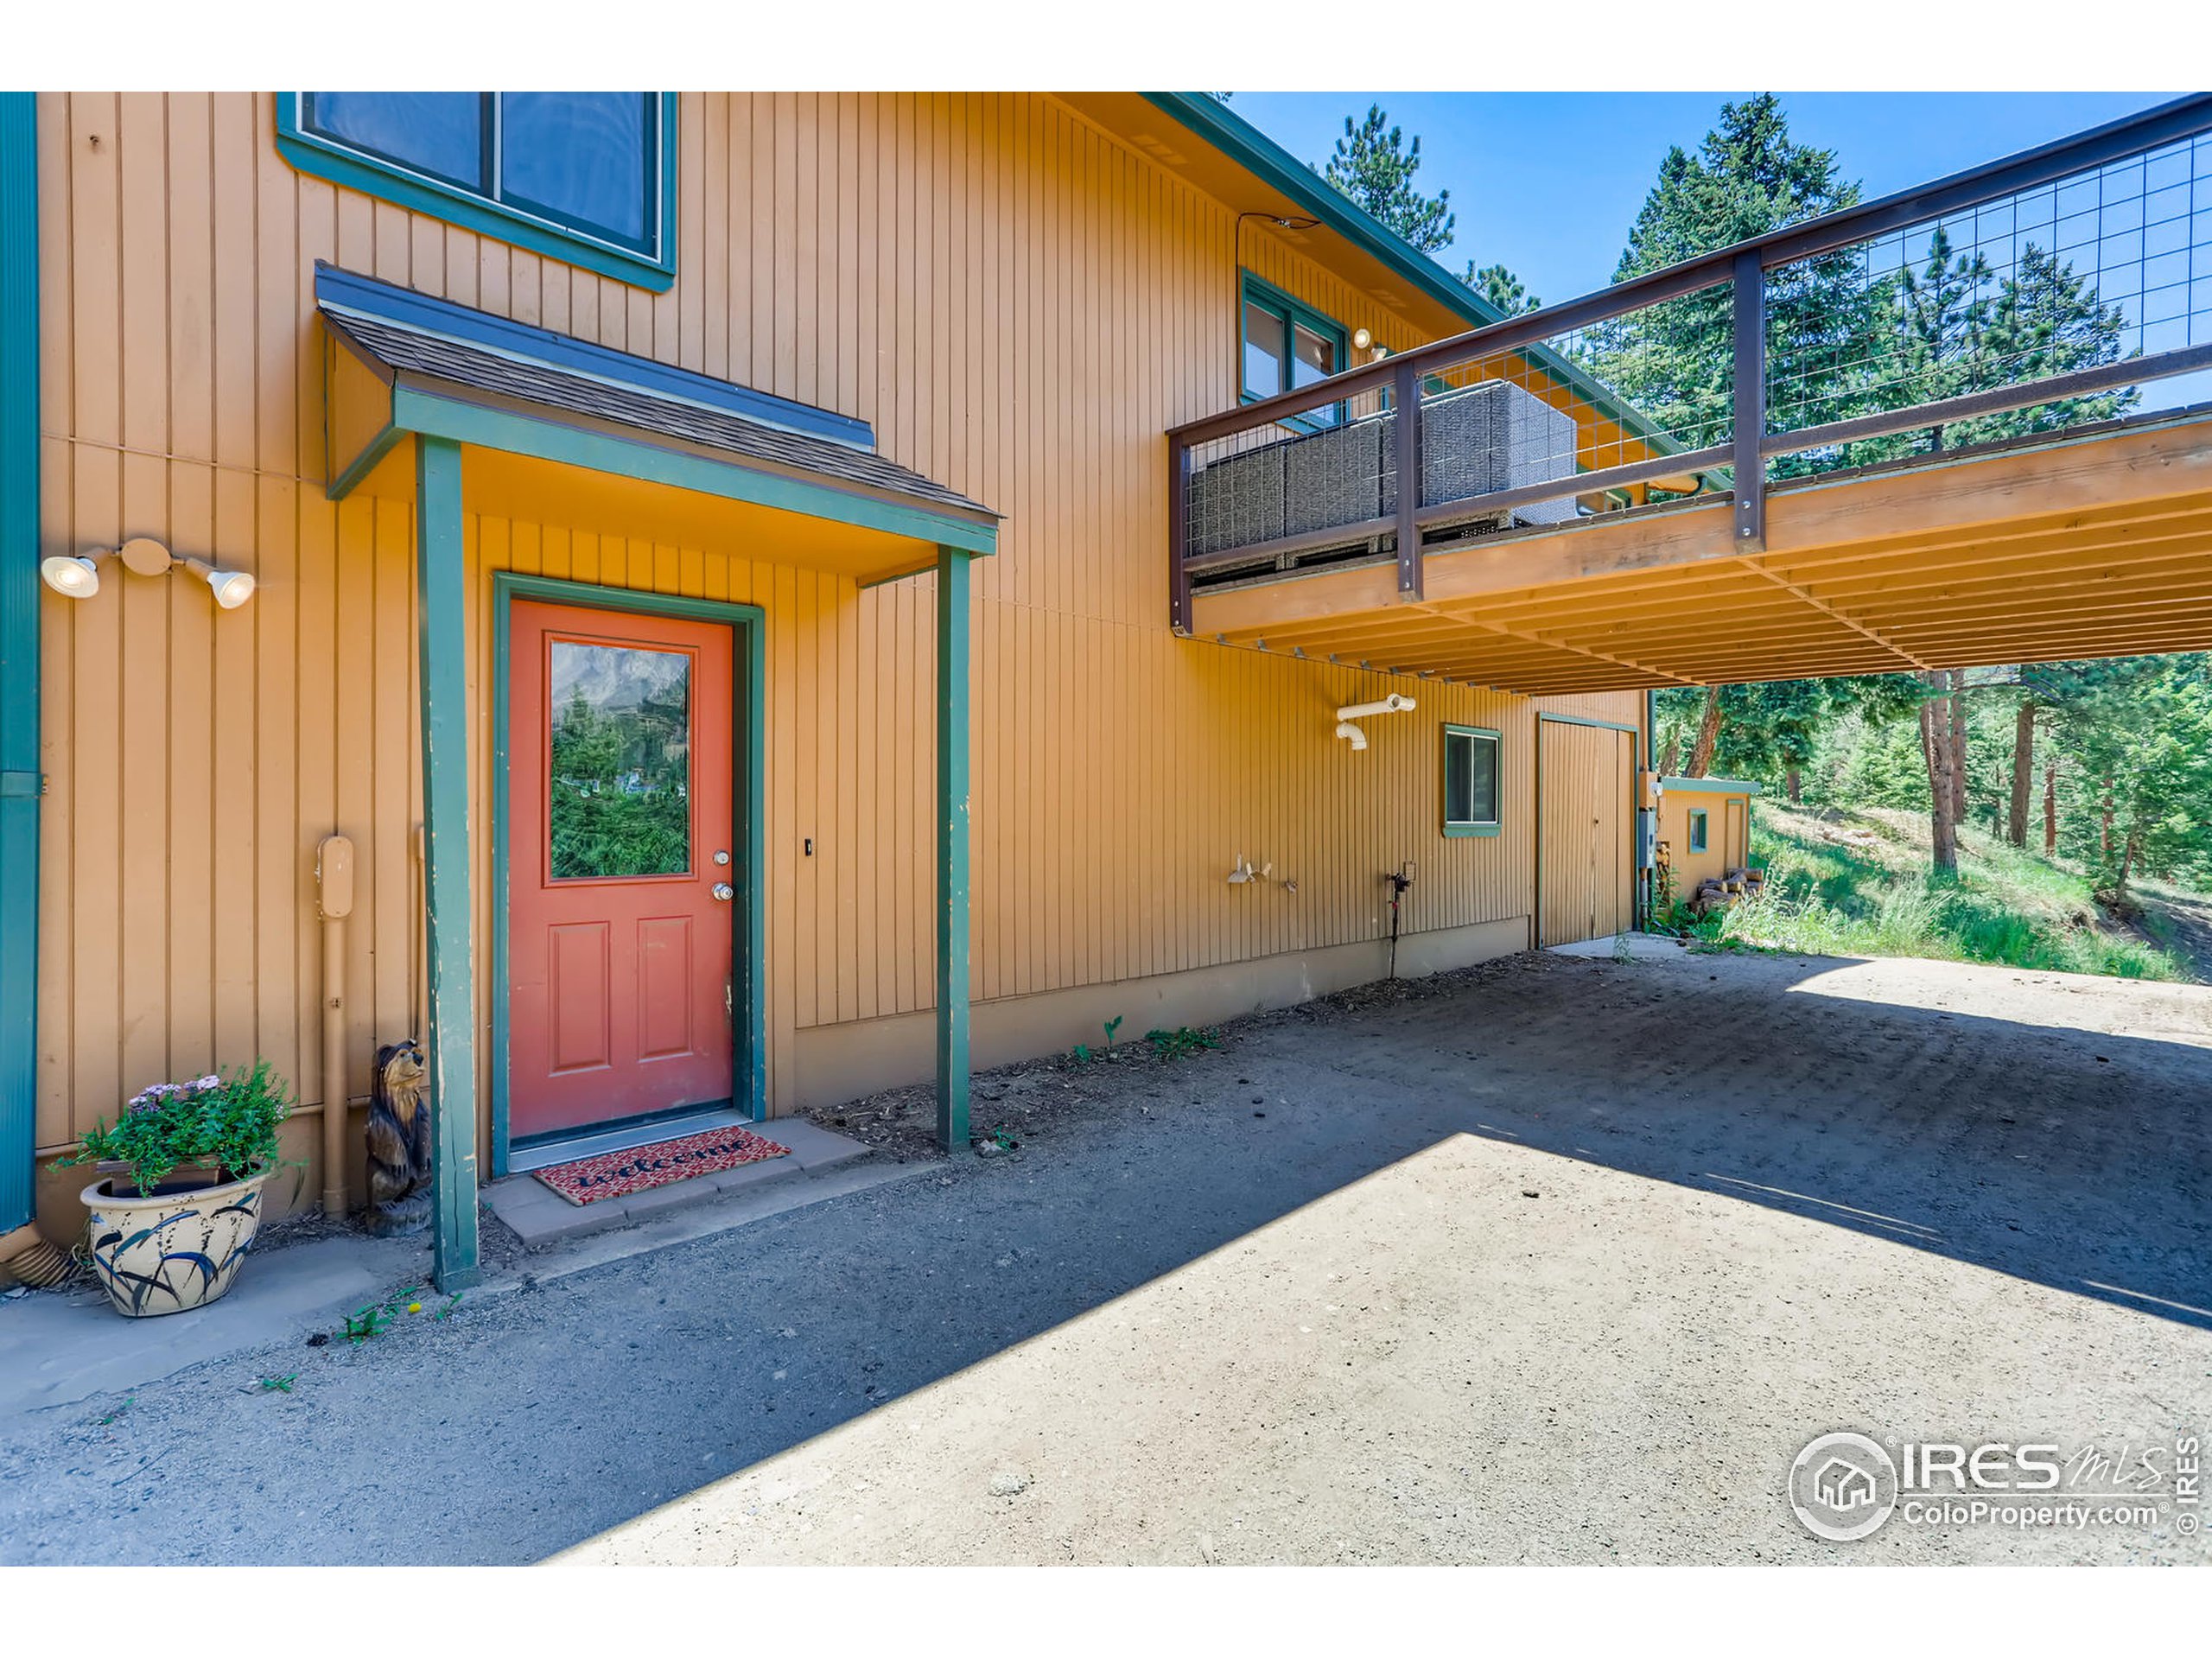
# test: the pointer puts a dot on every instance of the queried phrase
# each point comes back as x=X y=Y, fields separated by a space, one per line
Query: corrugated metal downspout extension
x=19 y=607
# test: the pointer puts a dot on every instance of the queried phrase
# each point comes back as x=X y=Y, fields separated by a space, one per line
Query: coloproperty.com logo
x=1846 y=1485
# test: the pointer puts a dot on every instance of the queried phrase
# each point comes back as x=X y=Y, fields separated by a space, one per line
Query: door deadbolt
x=721 y=856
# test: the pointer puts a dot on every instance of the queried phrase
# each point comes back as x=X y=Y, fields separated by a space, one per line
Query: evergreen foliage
x=1502 y=289
x=1374 y=166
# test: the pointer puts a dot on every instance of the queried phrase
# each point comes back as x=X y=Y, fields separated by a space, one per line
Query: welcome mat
x=634 y=1169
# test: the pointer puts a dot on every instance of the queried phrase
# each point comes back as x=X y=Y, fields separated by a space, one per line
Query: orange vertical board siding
x=1020 y=304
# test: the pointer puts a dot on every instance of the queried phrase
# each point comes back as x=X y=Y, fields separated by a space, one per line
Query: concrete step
x=538 y=1215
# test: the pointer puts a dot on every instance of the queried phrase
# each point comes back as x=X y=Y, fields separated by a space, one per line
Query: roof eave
x=1210 y=119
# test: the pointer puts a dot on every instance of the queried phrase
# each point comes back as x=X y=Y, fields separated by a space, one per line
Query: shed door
x=1739 y=839
x=1584 y=777
x=621 y=872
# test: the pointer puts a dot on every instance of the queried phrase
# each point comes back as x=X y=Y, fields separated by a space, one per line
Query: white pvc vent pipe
x=1393 y=704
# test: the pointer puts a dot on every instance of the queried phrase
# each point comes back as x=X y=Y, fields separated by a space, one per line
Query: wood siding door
x=621 y=866
x=1582 y=778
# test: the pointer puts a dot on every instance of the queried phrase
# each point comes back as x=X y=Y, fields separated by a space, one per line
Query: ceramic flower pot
x=171 y=1251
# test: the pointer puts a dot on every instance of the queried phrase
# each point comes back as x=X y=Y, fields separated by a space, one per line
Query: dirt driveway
x=1554 y=1260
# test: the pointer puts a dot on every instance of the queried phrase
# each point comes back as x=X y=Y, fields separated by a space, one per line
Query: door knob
x=724 y=892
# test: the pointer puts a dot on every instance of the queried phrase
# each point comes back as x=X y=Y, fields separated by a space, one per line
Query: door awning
x=398 y=363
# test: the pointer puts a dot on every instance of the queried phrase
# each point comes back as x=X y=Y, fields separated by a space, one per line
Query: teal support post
x=20 y=781
x=952 y=823
x=442 y=595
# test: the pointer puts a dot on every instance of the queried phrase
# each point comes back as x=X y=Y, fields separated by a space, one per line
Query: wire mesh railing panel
x=2068 y=280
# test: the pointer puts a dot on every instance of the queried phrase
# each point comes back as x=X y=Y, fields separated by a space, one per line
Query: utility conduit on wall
x=334 y=876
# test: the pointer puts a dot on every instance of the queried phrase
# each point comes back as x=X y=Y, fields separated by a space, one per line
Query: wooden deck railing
x=1932 y=287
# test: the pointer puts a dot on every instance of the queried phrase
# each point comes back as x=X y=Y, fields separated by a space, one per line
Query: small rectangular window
x=1471 y=781
x=1697 y=829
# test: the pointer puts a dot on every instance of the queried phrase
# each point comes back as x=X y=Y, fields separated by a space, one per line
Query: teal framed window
x=1285 y=344
x=1471 y=780
x=588 y=178
x=1697 y=829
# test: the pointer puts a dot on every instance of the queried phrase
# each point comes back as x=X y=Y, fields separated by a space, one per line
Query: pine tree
x=1374 y=166
x=1954 y=325
x=2046 y=321
x=1676 y=360
x=2135 y=734
x=1502 y=289
x=1765 y=731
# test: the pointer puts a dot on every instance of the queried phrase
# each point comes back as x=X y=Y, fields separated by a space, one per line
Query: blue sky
x=1549 y=183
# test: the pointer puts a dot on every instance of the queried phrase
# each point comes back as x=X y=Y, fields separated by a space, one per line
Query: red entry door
x=621 y=866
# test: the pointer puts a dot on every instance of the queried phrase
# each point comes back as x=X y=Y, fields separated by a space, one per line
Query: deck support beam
x=1405 y=438
x=953 y=818
x=442 y=600
x=1750 y=403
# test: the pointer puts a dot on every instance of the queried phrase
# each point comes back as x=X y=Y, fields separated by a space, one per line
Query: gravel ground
x=1558 y=1260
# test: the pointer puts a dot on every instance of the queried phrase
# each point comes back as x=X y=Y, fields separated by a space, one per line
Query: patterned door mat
x=618 y=1175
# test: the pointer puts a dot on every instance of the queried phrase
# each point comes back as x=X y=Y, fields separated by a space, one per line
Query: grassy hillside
x=1857 y=883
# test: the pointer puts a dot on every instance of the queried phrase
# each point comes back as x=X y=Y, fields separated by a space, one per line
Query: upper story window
x=585 y=177
x=1287 y=346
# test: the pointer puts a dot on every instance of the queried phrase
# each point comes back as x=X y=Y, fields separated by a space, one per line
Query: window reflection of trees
x=620 y=795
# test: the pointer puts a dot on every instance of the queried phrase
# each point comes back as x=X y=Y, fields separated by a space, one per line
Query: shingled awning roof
x=399 y=332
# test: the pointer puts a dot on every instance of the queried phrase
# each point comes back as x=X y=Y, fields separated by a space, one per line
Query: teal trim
x=1627 y=726
x=1699 y=836
x=441 y=598
x=1712 y=786
x=749 y=943
x=1254 y=289
x=1471 y=828
x=324 y=158
x=363 y=464
x=20 y=781
x=953 y=813
x=1277 y=168
x=429 y=415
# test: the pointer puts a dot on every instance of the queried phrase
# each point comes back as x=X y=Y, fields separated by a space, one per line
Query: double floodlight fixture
x=78 y=575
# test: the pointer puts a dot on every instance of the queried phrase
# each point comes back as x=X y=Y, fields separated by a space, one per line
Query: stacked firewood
x=1719 y=893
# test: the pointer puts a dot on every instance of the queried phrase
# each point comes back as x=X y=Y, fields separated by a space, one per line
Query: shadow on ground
x=2074 y=1157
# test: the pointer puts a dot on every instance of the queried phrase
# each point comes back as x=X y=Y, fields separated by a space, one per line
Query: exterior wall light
x=232 y=588
x=72 y=577
x=78 y=575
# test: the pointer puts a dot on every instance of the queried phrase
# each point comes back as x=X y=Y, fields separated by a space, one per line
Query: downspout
x=21 y=782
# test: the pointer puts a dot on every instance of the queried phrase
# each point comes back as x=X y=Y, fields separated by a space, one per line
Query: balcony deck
x=2089 y=543
x=1481 y=509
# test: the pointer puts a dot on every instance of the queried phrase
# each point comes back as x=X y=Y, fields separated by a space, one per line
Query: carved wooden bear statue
x=400 y=1142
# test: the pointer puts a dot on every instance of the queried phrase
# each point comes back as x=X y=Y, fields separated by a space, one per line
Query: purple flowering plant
x=225 y=1120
